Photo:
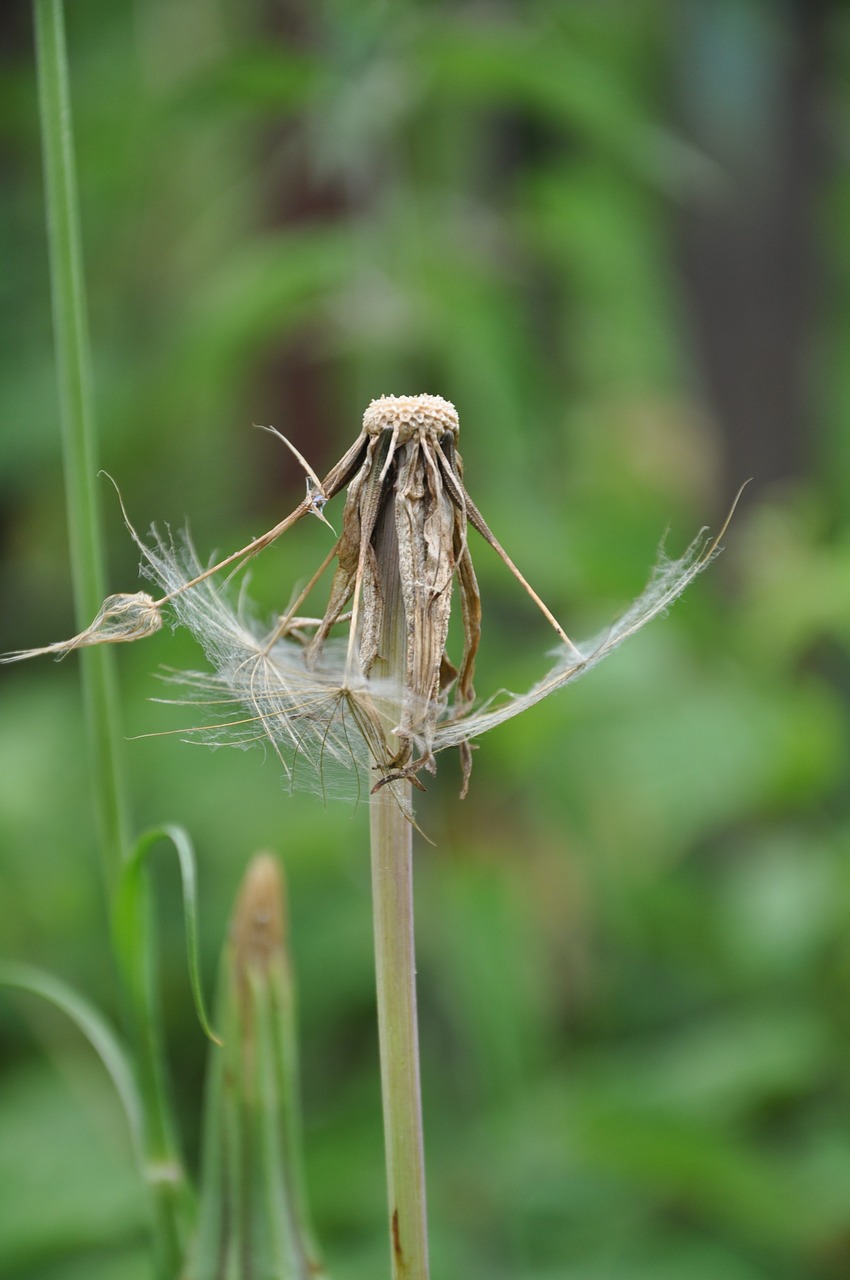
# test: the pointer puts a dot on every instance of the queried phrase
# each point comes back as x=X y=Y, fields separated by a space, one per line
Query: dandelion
x=321 y=700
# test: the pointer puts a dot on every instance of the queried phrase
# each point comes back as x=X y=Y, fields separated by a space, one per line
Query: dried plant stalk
x=395 y=960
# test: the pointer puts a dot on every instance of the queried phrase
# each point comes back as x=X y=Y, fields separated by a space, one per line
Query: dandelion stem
x=392 y=894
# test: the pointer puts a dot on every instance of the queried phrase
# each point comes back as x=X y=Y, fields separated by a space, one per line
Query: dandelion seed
x=121 y=617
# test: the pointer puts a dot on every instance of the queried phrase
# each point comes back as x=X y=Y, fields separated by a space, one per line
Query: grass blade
x=73 y=369
x=130 y=915
x=94 y=1027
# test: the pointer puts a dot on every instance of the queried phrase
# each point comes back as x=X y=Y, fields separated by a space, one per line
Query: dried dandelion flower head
x=410 y=416
x=338 y=706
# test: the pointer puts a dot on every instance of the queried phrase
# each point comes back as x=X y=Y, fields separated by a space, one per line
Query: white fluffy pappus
x=324 y=725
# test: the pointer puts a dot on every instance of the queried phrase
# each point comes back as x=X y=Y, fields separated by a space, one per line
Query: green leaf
x=94 y=1027
x=131 y=912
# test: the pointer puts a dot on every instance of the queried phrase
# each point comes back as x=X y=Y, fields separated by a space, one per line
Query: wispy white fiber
x=322 y=721
x=669 y=579
x=326 y=726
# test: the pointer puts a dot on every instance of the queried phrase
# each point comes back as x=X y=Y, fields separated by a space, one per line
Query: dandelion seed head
x=320 y=701
x=411 y=417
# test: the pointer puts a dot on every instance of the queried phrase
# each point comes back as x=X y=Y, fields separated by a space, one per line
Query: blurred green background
x=617 y=236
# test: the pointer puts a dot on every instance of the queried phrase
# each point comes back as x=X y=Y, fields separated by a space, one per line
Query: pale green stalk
x=73 y=364
x=73 y=369
x=395 y=964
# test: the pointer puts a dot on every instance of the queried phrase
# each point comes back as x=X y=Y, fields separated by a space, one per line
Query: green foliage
x=634 y=966
x=96 y=1030
x=133 y=939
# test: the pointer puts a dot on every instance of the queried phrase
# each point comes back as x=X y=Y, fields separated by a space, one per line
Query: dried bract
x=411 y=474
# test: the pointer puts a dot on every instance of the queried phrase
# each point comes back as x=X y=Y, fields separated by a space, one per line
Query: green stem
x=73 y=364
x=395 y=966
x=172 y=1210
x=73 y=367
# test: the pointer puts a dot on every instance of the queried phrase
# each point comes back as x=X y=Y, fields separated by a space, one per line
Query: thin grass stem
x=163 y=1166
x=73 y=370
